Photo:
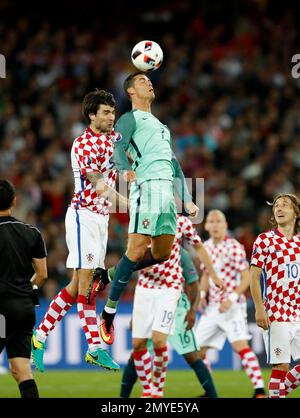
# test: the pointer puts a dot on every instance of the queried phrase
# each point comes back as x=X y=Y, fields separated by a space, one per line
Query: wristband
x=233 y=297
x=35 y=287
x=202 y=294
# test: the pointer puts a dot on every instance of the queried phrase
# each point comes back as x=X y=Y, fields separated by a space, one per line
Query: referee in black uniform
x=23 y=270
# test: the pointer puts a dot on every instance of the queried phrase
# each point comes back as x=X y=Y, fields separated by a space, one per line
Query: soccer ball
x=147 y=56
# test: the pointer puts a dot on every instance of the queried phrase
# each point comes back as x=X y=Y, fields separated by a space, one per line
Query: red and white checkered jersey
x=169 y=273
x=279 y=259
x=92 y=152
x=229 y=260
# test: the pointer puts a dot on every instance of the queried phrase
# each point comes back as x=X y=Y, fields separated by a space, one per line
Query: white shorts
x=86 y=236
x=282 y=341
x=214 y=327
x=154 y=310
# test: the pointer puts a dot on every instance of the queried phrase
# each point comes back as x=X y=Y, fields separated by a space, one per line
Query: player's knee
x=139 y=345
x=159 y=341
x=136 y=253
x=283 y=367
x=20 y=373
x=202 y=353
x=191 y=358
x=161 y=255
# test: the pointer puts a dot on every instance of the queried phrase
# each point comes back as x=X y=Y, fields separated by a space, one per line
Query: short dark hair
x=94 y=99
x=7 y=194
x=296 y=206
x=129 y=81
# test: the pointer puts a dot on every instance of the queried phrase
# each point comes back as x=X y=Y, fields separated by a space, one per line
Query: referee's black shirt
x=19 y=244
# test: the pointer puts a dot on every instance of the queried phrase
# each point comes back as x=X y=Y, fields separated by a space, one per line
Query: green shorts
x=182 y=341
x=152 y=208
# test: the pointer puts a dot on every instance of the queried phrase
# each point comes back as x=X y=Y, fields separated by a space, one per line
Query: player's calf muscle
x=85 y=277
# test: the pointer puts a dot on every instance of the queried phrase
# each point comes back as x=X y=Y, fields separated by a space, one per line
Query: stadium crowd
x=224 y=89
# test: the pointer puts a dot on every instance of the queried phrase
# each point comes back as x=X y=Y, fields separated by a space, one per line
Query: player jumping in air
x=275 y=264
x=225 y=315
x=152 y=205
x=86 y=227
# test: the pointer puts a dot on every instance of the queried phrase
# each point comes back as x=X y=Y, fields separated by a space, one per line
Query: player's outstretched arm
x=182 y=189
x=205 y=259
x=261 y=316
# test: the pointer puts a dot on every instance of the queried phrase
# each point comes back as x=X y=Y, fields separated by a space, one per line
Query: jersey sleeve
x=238 y=255
x=180 y=182
x=260 y=251
x=125 y=126
x=188 y=231
x=39 y=249
x=189 y=271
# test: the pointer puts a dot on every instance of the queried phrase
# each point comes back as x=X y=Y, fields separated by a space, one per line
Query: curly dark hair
x=296 y=206
x=94 y=99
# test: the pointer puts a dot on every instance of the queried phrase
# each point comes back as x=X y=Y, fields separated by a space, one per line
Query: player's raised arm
x=182 y=189
x=261 y=316
x=125 y=127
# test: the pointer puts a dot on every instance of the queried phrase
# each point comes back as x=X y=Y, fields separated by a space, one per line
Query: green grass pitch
x=104 y=384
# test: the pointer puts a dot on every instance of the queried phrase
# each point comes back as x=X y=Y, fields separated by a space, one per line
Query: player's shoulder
x=266 y=235
x=233 y=242
x=128 y=117
x=263 y=240
x=88 y=139
x=208 y=242
x=126 y=125
x=22 y=225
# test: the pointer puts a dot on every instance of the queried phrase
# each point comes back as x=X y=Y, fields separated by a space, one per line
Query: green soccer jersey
x=148 y=143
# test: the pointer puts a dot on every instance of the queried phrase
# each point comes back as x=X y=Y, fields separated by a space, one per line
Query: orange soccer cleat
x=107 y=334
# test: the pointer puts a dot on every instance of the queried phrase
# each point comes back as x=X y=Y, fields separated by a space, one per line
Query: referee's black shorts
x=19 y=314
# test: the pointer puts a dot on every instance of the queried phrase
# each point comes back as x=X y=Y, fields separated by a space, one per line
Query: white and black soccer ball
x=147 y=56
